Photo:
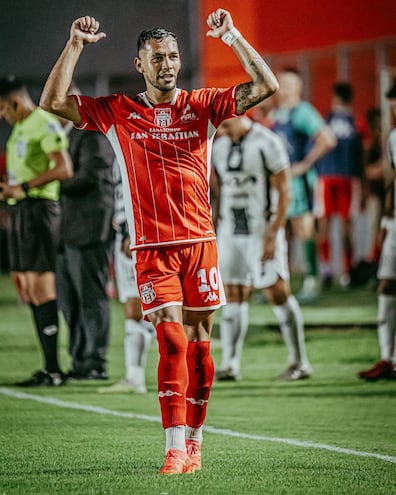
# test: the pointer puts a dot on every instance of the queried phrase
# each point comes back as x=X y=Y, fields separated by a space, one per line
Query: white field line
x=217 y=431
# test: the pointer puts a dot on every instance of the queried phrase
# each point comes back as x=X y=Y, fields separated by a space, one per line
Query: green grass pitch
x=330 y=435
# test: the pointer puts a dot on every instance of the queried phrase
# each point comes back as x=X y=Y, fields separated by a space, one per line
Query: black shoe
x=98 y=374
x=44 y=379
x=94 y=374
x=75 y=375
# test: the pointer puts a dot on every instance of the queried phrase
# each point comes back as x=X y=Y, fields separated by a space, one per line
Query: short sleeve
x=96 y=113
x=275 y=153
x=392 y=147
x=54 y=138
x=220 y=102
x=307 y=119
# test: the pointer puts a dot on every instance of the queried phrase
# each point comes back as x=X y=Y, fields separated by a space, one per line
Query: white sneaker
x=295 y=372
x=310 y=290
x=123 y=386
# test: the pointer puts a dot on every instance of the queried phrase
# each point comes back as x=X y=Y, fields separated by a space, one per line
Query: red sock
x=172 y=373
x=200 y=374
x=324 y=251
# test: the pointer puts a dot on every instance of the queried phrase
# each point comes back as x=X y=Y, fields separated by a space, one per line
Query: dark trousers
x=81 y=280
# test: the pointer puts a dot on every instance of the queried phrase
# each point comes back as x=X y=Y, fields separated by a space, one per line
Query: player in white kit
x=250 y=197
x=386 y=325
x=138 y=332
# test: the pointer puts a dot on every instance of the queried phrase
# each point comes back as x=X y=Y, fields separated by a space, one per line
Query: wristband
x=25 y=188
x=231 y=36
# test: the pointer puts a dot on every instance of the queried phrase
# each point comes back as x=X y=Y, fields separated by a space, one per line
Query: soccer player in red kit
x=162 y=143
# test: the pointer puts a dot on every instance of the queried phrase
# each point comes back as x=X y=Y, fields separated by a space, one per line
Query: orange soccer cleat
x=176 y=462
x=194 y=453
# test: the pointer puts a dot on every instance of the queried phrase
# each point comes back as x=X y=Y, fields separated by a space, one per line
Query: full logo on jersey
x=163 y=117
x=147 y=292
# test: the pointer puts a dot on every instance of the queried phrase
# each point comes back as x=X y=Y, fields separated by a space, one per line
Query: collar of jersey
x=144 y=97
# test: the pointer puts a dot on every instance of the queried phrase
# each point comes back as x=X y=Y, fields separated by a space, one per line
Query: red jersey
x=164 y=156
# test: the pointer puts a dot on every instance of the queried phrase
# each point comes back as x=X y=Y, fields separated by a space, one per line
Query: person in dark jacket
x=87 y=201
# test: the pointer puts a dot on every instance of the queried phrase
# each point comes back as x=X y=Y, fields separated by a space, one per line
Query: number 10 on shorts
x=203 y=277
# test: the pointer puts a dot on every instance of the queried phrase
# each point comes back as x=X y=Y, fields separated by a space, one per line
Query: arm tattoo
x=246 y=97
x=251 y=93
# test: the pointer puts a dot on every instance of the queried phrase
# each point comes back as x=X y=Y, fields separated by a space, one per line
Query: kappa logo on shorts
x=147 y=292
x=211 y=297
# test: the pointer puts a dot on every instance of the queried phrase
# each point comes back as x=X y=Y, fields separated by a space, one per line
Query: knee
x=172 y=337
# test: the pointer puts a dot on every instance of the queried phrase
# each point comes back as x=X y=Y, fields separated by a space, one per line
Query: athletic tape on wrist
x=231 y=36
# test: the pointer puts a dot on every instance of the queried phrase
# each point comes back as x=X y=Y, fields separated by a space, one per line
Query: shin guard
x=200 y=374
x=172 y=373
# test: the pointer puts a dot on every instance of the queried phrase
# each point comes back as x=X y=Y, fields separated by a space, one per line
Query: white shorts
x=124 y=272
x=240 y=261
x=387 y=263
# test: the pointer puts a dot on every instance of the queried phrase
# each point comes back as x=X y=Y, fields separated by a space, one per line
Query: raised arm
x=263 y=82
x=54 y=97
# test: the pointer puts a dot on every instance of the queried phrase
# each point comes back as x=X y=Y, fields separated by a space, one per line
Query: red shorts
x=186 y=275
x=334 y=196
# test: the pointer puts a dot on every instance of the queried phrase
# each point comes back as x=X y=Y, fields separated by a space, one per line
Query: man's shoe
x=97 y=374
x=176 y=462
x=295 y=372
x=194 y=454
x=226 y=375
x=44 y=379
x=123 y=386
x=381 y=369
x=310 y=290
x=94 y=374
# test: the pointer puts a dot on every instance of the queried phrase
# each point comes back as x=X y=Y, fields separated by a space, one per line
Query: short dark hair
x=292 y=70
x=391 y=93
x=10 y=84
x=153 y=34
x=344 y=91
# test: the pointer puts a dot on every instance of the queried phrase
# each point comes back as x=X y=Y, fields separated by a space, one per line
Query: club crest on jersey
x=147 y=292
x=163 y=117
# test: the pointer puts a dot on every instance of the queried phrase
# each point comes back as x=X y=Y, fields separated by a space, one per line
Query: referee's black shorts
x=33 y=235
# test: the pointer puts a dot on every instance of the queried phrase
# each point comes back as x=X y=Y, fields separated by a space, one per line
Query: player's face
x=160 y=63
x=290 y=86
x=8 y=111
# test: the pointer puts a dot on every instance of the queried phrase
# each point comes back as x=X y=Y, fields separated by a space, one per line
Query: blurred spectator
x=4 y=219
x=339 y=190
x=37 y=159
x=250 y=197
x=307 y=139
x=374 y=179
x=138 y=332
x=386 y=367
x=87 y=236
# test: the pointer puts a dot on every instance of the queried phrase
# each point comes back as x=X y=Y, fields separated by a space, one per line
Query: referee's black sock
x=47 y=326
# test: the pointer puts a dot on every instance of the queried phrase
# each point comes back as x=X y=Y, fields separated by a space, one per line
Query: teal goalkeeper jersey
x=27 y=151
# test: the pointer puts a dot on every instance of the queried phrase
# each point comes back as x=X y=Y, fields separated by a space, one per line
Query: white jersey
x=244 y=169
x=387 y=264
x=392 y=158
x=246 y=203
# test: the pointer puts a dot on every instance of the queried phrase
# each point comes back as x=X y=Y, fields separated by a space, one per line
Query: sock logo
x=50 y=330
x=168 y=393
x=199 y=402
